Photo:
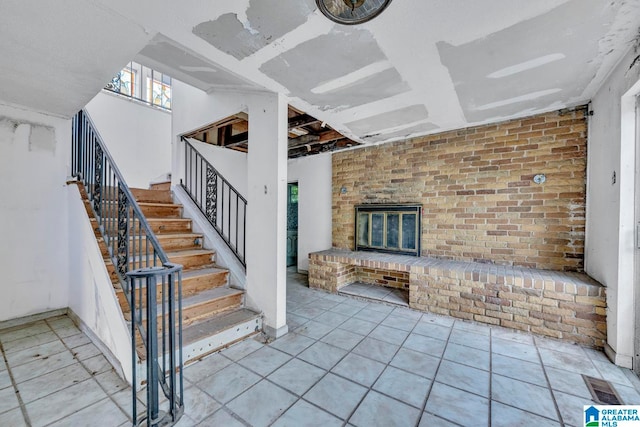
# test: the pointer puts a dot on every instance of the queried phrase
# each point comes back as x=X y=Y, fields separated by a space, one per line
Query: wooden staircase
x=213 y=313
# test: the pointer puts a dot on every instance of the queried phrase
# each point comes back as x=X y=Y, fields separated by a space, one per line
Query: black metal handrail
x=130 y=240
x=207 y=188
x=163 y=362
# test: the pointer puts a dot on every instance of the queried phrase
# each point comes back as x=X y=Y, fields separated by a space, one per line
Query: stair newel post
x=152 y=349
x=134 y=362
x=170 y=297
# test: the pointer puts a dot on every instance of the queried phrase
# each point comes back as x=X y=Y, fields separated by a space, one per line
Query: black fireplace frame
x=401 y=209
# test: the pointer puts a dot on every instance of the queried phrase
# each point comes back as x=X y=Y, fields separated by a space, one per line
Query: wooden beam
x=330 y=135
x=224 y=135
x=241 y=138
x=302 y=140
x=301 y=120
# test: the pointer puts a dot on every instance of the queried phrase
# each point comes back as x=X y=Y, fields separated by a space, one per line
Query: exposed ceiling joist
x=301 y=120
x=302 y=140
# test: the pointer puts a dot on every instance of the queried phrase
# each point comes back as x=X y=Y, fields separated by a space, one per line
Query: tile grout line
x=386 y=365
x=435 y=374
x=490 y=374
x=328 y=371
x=546 y=377
x=92 y=377
x=23 y=407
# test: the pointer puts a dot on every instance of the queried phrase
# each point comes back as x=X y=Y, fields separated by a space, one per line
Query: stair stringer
x=224 y=256
x=92 y=296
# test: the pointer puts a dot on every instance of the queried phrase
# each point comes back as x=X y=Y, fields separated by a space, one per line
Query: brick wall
x=565 y=305
x=376 y=276
x=476 y=187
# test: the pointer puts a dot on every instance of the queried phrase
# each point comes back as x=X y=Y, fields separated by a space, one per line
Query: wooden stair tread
x=160 y=204
x=201 y=271
x=201 y=331
x=177 y=253
x=209 y=295
x=165 y=236
x=201 y=298
x=188 y=274
x=217 y=323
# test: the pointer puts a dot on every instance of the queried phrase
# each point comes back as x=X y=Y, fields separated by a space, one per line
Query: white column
x=267 y=210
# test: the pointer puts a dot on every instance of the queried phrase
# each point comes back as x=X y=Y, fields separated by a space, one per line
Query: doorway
x=292 y=224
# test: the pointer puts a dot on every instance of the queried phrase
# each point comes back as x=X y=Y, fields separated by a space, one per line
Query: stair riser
x=201 y=311
x=188 y=262
x=169 y=226
x=168 y=211
x=161 y=229
x=210 y=308
x=162 y=186
x=190 y=286
x=169 y=244
x=152 y=196
x=161 y=211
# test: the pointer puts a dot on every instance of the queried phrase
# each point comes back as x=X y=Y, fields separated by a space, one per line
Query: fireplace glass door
x=388 y=228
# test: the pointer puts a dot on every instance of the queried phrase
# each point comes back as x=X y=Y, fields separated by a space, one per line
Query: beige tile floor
x=346 y=362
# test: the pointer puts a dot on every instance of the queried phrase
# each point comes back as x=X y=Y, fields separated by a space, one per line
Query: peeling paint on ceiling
x=380 y=122
x=197 y=70
x=347 y=53
x=420 y=67
x=267 y=20
x=513 y=70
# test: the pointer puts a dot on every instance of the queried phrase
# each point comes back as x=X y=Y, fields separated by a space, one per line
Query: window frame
x=386 y=210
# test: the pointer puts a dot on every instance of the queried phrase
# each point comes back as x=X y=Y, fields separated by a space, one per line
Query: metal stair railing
x=141 y=266
x=218 y=200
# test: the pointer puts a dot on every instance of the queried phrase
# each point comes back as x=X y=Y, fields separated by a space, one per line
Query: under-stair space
x=212 y=311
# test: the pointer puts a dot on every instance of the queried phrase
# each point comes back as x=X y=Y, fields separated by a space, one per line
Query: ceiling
x=306 y=134
x=420 y=67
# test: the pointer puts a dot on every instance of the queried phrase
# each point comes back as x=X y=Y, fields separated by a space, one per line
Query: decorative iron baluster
x=98 y=173
x=215 y=203
x=211 y=195
x=97 y=186
x=123 y=232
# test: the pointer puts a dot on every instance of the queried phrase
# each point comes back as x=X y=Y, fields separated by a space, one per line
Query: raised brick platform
x=565 y=305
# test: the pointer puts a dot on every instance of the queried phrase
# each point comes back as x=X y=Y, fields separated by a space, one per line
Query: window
x=159 y=88
x=156 y=89
x=388 y=228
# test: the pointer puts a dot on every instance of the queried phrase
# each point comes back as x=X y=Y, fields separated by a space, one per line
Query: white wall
x=34 y=243
x=91 y=294
x=230 y=163
x=609 y=246
x=313 y=175
x=194 y=109
x=138 y=136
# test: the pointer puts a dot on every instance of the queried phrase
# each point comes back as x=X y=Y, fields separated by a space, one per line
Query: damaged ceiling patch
x=528 y=62
x=165 y=51
x=267 y=20
x=405 y=132
x=362 y=73
x=355 y=70
x=527 y=65
x=517 y=99
x=388 y=120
